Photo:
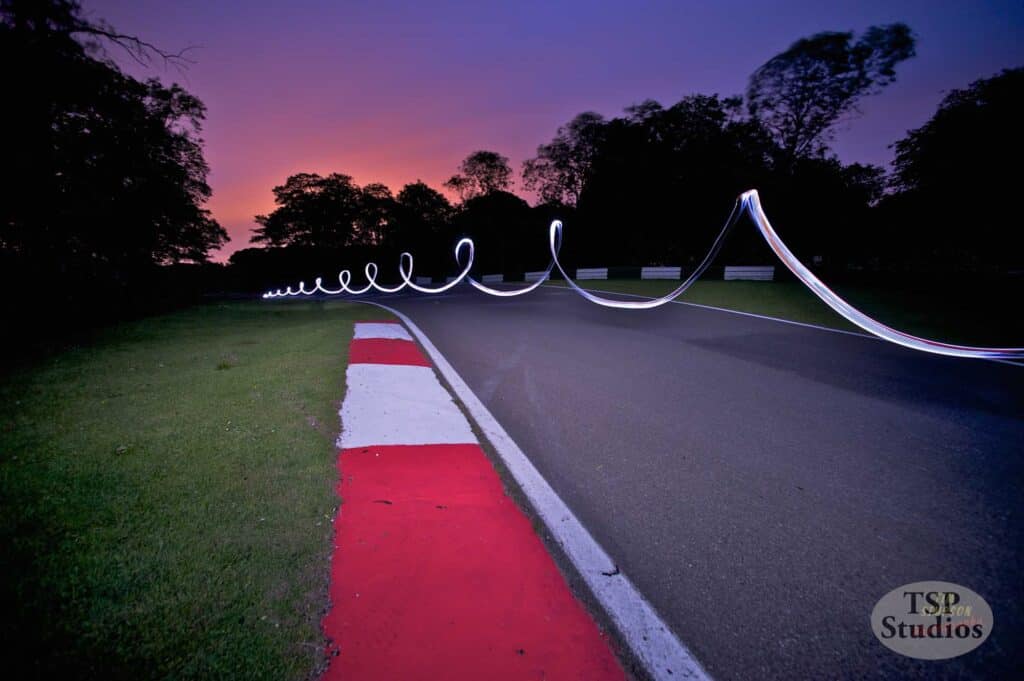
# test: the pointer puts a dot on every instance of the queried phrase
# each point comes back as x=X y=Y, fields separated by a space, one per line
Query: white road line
x=662 y=654
x=761 y=316
x=395 y=404
x=725 y=309
x=375 y=330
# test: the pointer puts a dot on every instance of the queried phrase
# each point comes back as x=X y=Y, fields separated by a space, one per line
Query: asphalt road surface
x=763 y=484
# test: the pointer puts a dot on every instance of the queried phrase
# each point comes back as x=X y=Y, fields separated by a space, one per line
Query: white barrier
x=592 y=273
x=534 y=276
x=449 y=280
x=755 y=272
x=424 y=281
x=661 y=272
x=492 y=278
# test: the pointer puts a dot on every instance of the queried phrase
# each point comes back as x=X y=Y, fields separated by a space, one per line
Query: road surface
x=763 y=484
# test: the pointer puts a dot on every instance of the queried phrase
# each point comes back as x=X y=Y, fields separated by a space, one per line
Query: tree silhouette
x=420 y=214
x=652 y=186
x=422 y=226
x=662 y=177
x=313 y=211
x=103 y=174
x=973 y=138
x=498 y=222
x=562 y=166
x=954 y=175
x=481 y=173
x=376 y=213
x=801 y=93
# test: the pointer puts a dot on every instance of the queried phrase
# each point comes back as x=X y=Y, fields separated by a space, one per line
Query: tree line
x=654 y=185
x=104 y=180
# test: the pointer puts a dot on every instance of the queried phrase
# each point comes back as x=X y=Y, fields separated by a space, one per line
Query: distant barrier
x=661 y=272
x=653 y=272
x=752 y=273
x=592 y=273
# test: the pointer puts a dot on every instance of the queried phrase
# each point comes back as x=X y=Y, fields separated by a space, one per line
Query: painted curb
x=435 y=571
x=663 y=656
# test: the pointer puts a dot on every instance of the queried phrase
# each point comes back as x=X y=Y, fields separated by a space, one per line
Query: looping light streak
x=748 y=203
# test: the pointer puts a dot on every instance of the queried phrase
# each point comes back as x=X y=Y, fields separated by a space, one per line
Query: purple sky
x=394 y=92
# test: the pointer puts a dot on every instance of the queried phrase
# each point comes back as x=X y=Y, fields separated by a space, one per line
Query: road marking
x=651 y=641
x=381 y=330
x=435 y=572
x=806 y=325
x=724 y=309
x=399 y=405
x=385 y=351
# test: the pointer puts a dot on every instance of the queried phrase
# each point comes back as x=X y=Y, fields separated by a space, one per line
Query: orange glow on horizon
x=242 y=187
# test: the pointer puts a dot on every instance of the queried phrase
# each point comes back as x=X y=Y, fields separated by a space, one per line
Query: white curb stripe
x=395 y=404
x=374 y=330
x=661 y=653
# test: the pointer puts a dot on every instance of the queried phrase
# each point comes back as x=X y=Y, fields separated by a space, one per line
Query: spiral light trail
x=749 y=202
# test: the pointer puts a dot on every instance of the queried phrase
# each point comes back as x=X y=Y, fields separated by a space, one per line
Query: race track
x=762 y=483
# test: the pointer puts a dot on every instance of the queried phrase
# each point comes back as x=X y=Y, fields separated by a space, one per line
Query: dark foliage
x=103 y=177
x=482 y=172
x=315 y=211
x=324 y=224
x=503 y=230
x=801 y=93
x=656 y=184
x=565 y=164
x=664 y=179
x=956 y=179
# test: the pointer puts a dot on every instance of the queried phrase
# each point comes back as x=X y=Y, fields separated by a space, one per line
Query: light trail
x=748 y=203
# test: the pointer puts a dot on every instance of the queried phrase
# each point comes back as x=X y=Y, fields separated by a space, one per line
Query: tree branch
x=139 y=50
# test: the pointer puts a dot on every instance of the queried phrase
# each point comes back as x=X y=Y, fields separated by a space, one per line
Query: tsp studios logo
x=932 y=620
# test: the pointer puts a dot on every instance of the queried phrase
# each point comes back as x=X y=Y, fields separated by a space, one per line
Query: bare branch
x=141 y=51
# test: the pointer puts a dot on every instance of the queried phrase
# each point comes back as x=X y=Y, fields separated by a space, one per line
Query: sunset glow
x=391 y=92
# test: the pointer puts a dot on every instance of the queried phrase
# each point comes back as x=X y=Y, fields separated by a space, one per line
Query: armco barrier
x=592 y=273
x=729 y=273
x=661 y=272
x=755 y=273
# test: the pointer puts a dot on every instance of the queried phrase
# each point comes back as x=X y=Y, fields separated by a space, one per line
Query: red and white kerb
x=435 y=572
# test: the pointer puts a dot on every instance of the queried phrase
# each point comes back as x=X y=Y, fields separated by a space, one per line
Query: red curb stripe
x=385 y=351
x=436 y=574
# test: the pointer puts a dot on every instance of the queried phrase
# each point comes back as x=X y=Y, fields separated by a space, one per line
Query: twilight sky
x=393 y=92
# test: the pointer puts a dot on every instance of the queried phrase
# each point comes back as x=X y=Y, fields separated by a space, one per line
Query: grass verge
x=959 y=315
x=167 y=493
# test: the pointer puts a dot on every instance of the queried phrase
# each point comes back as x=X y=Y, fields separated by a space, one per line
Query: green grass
x=954 y=314
x=166 y=495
